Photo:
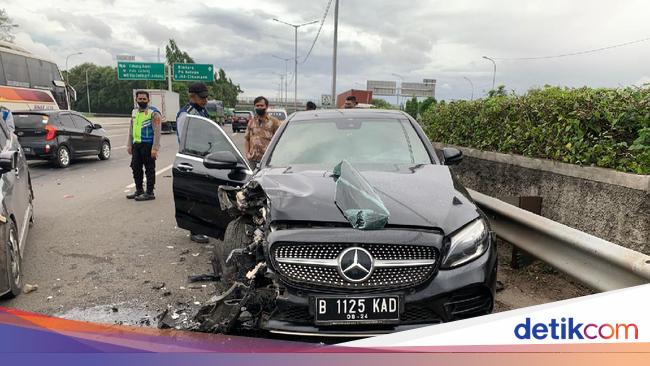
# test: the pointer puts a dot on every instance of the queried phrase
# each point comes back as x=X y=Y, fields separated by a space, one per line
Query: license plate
x=27 y=149
x=345 y=310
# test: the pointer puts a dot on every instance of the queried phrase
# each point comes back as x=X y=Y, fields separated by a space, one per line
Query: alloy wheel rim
x=106 y=150
x=64 y=157
x=14 y=257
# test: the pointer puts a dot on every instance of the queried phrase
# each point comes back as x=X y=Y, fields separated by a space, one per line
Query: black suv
x=240 y=120
x=60 y=136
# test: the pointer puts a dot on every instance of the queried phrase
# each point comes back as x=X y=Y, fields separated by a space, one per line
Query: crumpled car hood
x=426 y=196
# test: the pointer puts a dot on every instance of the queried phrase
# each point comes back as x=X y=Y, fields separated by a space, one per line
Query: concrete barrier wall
x=612 y=205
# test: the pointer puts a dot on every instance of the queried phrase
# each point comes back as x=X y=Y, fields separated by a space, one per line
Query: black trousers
x=140 y=158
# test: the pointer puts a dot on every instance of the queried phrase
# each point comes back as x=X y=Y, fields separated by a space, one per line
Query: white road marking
x=132 y=185
x=119 y=147
x=111 y=136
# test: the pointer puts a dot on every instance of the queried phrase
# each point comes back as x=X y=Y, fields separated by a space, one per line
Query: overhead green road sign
x=140 y=71
x=193 y=72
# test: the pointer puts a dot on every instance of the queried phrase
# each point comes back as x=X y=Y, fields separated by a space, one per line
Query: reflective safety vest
x=143 y=125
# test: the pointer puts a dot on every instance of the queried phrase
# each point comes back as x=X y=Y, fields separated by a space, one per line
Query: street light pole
x=87 y=91
x=286 y=78
x=470 y=83
x=335 y=51
x=494 y=74
x=295 y=76
x=67 y=72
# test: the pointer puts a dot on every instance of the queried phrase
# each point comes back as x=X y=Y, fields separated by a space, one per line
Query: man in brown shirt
x=260 y=131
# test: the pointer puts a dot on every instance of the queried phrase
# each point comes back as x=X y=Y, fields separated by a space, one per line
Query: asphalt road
x=92 y=251
x=97 y=256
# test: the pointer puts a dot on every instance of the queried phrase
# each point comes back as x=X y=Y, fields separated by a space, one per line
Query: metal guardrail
x=597 y=263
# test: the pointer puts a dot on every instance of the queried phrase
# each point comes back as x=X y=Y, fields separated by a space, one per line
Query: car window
x=15 y=67
x=242 y=114
x=326 y=143
x=80 y=122
x=203 y=137
x=66 y=121
x=29 y=121
x=3 y=81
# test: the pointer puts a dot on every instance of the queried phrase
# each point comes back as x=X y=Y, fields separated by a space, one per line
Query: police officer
x=198 y=99
x=143 y=145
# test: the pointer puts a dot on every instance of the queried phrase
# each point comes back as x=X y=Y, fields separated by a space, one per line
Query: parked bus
x=29 y=82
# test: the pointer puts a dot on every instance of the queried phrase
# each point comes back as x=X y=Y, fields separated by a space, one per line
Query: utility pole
x=169 y=77
x=295 y=75
x=335 y=55
x=87 y=91
x=494 y=74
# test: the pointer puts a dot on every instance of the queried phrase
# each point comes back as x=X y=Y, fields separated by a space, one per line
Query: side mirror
x=97 y=126
x=7 y=161
x=452 y=156
x=220 y=160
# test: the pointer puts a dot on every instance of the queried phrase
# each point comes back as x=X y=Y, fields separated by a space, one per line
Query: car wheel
x=234 y=238
x=14 y=261
x=105 y=152
x=62 y=159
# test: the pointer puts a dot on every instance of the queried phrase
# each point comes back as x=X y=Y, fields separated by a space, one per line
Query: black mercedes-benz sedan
x=352 y=225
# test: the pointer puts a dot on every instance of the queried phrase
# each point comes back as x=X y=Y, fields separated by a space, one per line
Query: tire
x=14 y=261
x=234 y=238
x=62 y=159
x=105 y=151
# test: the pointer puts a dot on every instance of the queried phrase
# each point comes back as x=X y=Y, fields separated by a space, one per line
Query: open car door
x=207 y=159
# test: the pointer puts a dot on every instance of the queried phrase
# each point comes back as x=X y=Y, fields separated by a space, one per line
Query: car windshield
x=325 y=143
x=211 y=107
x=242 y=114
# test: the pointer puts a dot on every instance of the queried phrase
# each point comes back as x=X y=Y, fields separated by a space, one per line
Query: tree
x=174 y=55
x=224 y=89
x=6 y=27
x=381 y=104
x=412 y=107
x=426 y=104
x=500 y=91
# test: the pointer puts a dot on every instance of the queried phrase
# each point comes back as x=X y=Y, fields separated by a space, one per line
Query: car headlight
x=466 y=245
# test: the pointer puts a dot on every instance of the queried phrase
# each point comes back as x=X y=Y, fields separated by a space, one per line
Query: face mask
x=260 y=111
x=142 y=105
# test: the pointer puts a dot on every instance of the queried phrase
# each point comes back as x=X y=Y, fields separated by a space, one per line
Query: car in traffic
x=16 y=213
x=359 y=226
x=60 y=136
x=240 y=120
x=280 y=114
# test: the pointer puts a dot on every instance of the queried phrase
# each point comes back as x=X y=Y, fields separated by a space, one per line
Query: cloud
x=418 y=39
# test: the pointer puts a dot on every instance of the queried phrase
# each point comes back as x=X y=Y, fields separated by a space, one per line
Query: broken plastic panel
x=358 y=201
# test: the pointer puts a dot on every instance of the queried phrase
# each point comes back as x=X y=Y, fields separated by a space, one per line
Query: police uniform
x=144 y=135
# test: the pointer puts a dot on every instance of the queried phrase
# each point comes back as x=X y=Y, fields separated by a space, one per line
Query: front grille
x=397 y=265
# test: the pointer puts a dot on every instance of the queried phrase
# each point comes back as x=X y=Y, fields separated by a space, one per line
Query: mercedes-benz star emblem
x=356 y=264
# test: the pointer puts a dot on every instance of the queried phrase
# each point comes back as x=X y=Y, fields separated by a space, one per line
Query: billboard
x=384 y=88
x=418 y=89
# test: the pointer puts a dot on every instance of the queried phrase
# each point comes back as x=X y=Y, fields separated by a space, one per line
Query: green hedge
x=608 y=128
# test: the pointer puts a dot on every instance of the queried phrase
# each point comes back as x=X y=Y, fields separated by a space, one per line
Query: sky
x=417 y=39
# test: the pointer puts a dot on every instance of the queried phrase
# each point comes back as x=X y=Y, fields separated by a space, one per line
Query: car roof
x=348 y=113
